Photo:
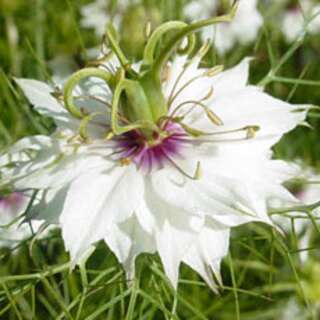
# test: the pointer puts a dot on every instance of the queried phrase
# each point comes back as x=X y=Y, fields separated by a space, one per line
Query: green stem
x=234 y=286
x=36 y=276
x=305 y=209
x=39 y=35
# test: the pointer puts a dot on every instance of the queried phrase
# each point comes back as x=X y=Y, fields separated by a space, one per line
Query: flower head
x=298 y=20
x=97 y=14
x=130 y=17
x=11 y=206
x=165 y=156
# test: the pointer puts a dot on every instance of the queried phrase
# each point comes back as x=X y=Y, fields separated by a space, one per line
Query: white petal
x=172 y=243
x=146 y=219
x=196 y=10
x=226 y=199
x=17 y=155
x=252 y=107
x=55 y=165
x=49 y=206
x=26 y=167
x=207 y=251
x=127 y=240
x=183 y=80
x=231 y=80
x=247 y=22
x=39 y=95
x=31 y=143
x=242 y=29
x=95 y=201
x=249 y=176
x=293 y=25
x=175 y=229
x=195 y=86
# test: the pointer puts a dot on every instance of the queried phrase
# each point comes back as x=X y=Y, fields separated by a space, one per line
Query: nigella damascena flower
x=100 y=12
x=300 y=19
x=243 y=29
x=11 y=205
x=130 y=17
x=163 y=157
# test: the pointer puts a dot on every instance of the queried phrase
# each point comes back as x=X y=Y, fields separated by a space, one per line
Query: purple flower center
x=150 y=155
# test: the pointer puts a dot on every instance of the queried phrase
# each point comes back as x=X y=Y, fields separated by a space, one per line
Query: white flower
x=97 y=14
x=10 y=207
x=177 y=192
x=292 y=25
x=314 y=25
x=295 y=21
x=243 y=29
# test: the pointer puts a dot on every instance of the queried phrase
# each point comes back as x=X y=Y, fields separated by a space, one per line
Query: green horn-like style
x=138 y=101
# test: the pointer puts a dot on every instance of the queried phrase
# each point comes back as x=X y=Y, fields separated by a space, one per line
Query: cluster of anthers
x=145 y=126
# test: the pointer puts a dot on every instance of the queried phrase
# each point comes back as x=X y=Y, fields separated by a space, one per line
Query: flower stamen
x=125 y=162
x=201 y=53
x=214 y=118
x=196 y=175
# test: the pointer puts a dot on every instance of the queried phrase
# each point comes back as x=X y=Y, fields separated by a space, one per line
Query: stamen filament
x=210 y=114
x=201 y=53
x=192 y=141
x=209 y=73
x=195 y=176
x=172 y=98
